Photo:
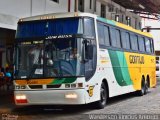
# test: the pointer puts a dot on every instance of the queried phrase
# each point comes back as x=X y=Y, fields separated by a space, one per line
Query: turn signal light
x=21 y=99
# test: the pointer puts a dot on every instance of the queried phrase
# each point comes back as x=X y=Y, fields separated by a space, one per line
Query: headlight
x=71 y=96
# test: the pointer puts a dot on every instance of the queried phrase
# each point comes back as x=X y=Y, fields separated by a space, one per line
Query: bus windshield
x=52 y=58
x=53 y=48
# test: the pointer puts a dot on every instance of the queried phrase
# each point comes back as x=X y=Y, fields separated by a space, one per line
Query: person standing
x=8 y=77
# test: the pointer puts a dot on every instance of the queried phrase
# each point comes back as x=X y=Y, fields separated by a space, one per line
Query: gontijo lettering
x=136 y=59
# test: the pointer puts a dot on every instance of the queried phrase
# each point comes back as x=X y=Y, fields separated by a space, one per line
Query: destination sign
x=59 y=37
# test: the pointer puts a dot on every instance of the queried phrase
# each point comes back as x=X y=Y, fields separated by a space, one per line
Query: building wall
x=25 y=8
x=155 y=33
x=117 y=10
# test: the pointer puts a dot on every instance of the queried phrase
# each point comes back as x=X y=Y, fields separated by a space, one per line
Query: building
x=12 y=10
x=110 y=10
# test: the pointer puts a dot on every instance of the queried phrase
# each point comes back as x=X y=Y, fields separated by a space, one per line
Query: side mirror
x=87 y=51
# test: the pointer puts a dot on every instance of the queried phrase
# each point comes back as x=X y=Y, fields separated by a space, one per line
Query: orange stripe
x=34 y=82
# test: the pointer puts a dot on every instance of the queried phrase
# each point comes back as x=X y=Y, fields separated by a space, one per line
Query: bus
x=80 y=58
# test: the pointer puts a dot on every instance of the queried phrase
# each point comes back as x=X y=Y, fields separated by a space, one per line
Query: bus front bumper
x=50 y=97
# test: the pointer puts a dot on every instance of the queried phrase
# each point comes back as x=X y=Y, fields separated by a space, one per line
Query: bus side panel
x=113 y=68
x=139 y=65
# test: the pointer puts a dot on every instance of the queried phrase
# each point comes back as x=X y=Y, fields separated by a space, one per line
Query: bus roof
x=75 y=14
x=57 y=15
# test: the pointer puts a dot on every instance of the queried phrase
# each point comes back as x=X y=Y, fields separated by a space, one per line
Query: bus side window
x=125 y=37
x=89 y=27
x=148 y=45
x=100 y=29
x=106 y=36
x=134 y=42
x=118 y=38
x=115 y=37
x=141 y=44
x=152 y=45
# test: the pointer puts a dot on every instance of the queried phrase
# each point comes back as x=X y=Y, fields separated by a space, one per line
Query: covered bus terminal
x=147 y=9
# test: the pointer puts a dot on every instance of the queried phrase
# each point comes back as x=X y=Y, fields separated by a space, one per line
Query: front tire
x=103 y=97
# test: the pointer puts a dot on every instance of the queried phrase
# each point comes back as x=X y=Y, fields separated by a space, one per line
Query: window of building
x=81 y=5
x=55 y=1
x=117 y=18
x=134 y=42
x=128 y=19
x=148 y=45
x=103 y=11
x=90 y=4
x=95 y=3
x=125 y=40
x=141 y=44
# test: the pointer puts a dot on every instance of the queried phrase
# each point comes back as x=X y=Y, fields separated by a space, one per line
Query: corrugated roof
x=151 y=6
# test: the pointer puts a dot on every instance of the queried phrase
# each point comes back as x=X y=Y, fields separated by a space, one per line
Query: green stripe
x=63 y=81
x=120 y=68
x=107 y=21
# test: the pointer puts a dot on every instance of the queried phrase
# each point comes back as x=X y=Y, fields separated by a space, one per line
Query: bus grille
x=53 y=86
x=36 y=86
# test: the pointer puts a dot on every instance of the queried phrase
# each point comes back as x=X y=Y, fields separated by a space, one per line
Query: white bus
x=80 y=58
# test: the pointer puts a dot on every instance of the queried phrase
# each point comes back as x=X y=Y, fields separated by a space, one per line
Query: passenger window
x=106 y=36
x=118 y=39
x=148 y=45
x=125 y=40
x=141 y=44
x=134 y=42
x=89 y=29
x=115 y=38
x=100 y=28
x=152 y=45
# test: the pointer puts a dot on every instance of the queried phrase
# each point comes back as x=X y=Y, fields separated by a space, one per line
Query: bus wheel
x=103 y=97
x=143 y=88
x=146 y=87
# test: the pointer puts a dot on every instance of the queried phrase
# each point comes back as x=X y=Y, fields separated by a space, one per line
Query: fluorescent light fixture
x=141 y=6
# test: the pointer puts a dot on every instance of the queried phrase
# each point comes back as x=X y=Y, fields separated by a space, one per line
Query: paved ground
x=125 y=104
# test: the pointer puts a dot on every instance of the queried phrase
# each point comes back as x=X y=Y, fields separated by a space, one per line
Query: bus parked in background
x=80 y=58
